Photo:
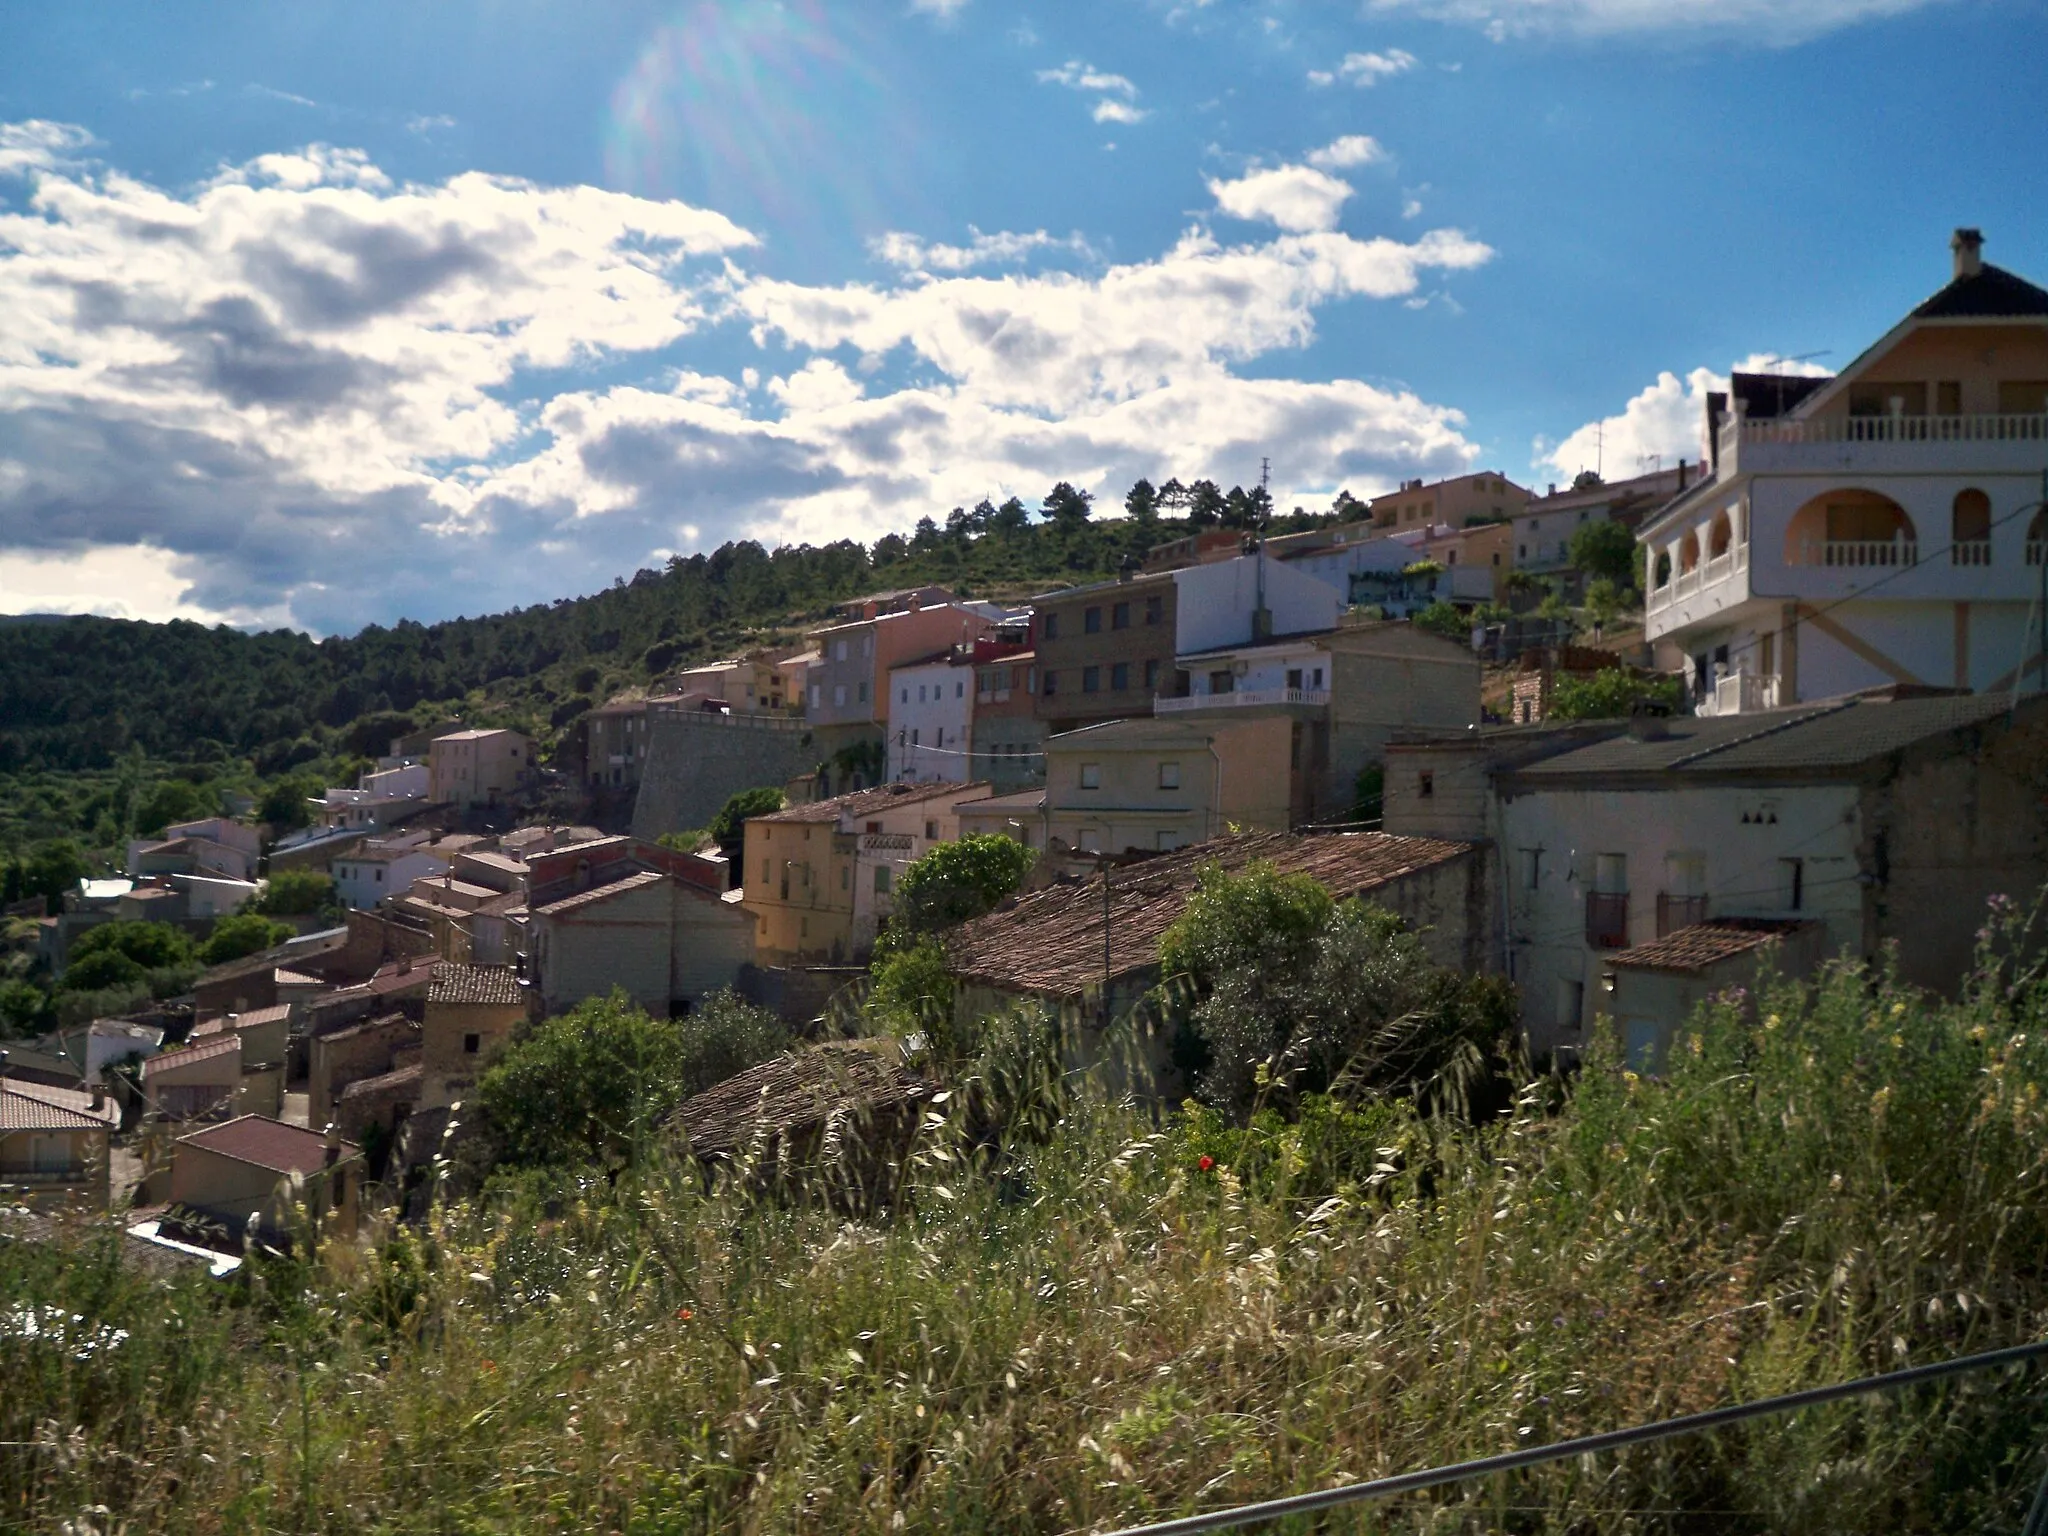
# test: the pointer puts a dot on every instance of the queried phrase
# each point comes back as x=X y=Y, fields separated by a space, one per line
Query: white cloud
x=1294 y=197
x=304 y=393
x=37 y=145
x=1351 y=150
x=1366 y=69
x=429 y=123
x=1115 y=95
x=945 y=10
x=1659 y=425
x=1109 y=111
x=288 y=96
x=1775 y=22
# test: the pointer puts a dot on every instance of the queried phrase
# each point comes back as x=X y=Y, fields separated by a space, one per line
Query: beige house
x=53 y=1144
x=615 y=743
x=471 y=1013
x=264 y=1034
x=1165 y=783
x=820 y=877
x=669 y=937
x=1653 y=989
x=478 y=767
x=1487 y=495
x=207 y=1080
x=257 y=1169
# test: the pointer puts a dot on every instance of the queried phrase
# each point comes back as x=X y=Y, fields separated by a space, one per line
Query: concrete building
x=820 y=877
x=1483 y=496
x=479 y=767
x=1543 y=529
x=255 y=1170
x=1153 y=784
x=382 y=869
x=53 y=1144
x=931 y=717
x=380 y=795
x=1883 y=819
x=615 y=743
x=670 y=937
x=1874 y=528
x=848 y=695
x=1009 y=738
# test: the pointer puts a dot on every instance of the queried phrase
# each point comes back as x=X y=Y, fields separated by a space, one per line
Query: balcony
x=1857 y=554
x=1970 y=552
x=1703 y=577
x=1860 y=444
x=1607 y=919
x=1676 y=912
x=1243 y=698
x=1740 y=693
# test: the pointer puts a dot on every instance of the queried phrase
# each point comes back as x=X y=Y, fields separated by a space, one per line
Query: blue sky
x=325 y=314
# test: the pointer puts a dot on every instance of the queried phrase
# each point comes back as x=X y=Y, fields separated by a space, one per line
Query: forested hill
x=81 y=693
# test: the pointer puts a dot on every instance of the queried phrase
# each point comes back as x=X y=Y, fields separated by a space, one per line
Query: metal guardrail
x=1612 y=1440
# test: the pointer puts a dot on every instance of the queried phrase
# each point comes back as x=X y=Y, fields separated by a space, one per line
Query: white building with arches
x=1883 y=526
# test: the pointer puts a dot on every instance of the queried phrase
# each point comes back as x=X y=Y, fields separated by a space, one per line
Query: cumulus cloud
x=1367 y=69
x=1115 y=95
x=1353 y=149
x=1776 y=22
x=1294 y=197
x=304 y=393
x=38 y=145
x=1659 y=425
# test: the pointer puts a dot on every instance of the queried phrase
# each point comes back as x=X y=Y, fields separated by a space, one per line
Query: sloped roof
x=866 y=802
x=255 y=1018
x=26 y=1106
x=590 y=898
x=1700 y=945
x=491 y=985
x=228 y=1044
x=1050 y=941
x=797 y=1091
x=1987 y=293
x=402 y=1077
x=265 y=1143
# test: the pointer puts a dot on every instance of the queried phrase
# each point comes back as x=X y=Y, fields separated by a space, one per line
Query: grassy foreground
x=1110 y=1317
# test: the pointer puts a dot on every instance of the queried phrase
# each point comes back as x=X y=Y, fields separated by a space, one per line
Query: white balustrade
x=1859 y=552
x=1896 y=429
x=1241 y=698
x=1970 y=552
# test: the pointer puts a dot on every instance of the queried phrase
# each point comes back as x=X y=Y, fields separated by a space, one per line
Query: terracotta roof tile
x=255 y=1018
x=867 y=802
x=1700 y=945
x=1050 y=941
x=266 y=1143
x=797 y=1091
x=475 y=984
x=223 y=1045
x=638 y=880
x=26 y=1106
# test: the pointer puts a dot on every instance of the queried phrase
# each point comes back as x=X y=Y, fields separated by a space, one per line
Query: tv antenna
x=1775 y=360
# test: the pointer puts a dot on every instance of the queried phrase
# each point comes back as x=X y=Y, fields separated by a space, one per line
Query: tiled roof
x=1136 y=733
x=1828 y=736
x=1990 y=291
x=796 y=1091
x=365 y=1026
x=1022 y=800
x=1702 y=944
x=36 y=1107
x=364 y=1086
x=266 y=1143
x=639 y=880
x=255 y=1018
x=428 y=884
x=223 y=1045
x=286 y=977
x=867 y=802
x=480 y=984
x=1050 y=941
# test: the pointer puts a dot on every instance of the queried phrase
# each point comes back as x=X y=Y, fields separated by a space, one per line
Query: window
x=881 y=879
x=839 y=650
x=817 y=694
x=1425 y=784
x=1091 y=679
x=920 y=694
x=1091 y=775
x=1294 y=677
x=959 y=688
x=1120 y=676
x=1610 y=874
x=380 y=877
x=1155 y=610
x=842 y=877
x=1052 y=627
x=863 y=693
x=1792 y=883
x=906 y=695
x=839 y=693
x=1169 y=775
x=1091 y=621
x=1316 y=678
x=1152 y=674
x=913 y=738
x=931 y=831
x=471 y=1044
x=1120 y=616
x=1221 y=681
x=1532 y=868
x=1948 y=398
x=1052 y=684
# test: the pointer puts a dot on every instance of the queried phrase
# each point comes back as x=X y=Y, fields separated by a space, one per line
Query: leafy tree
x=283 y=806
x=1603 y=599
x=1347 y=508
x=959 y=526
x=925 y=536
x=1445 y=619
x=729 y=827
x=1249 y=510
x=52 y=868
x=1206 y=505
x=1067 y=508
x=1611 y=695
x=954 y=882
x=296 y=893
x=1012 y=518
x=240 y=934
x=24 y=1008
x=1604 y=548
x=593 y=1085
x=913 y=991
x=890 y=549
x=1173 y=496
x=102 y=970
x=167 y=802
x=150 y=945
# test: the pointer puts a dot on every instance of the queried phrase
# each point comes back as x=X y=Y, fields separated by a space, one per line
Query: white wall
x=1333 y=567
x=356 y=882
x=1214 y=603
x=934 y=704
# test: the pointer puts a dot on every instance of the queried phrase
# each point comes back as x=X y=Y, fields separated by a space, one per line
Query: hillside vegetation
x=1069 y=1314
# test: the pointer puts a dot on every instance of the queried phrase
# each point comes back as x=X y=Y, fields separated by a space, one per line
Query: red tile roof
x=266 y=1143
x=255 y=1018
x=206 y=1050
x=493 y=985
x=1696 y=947
x=26 y=1106
x=1050 y=941
x=867 y=802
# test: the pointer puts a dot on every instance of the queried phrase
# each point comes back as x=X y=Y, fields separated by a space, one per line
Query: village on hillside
x=1626 y=745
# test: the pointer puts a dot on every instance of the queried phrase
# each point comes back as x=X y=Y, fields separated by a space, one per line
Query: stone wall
x=697 y=761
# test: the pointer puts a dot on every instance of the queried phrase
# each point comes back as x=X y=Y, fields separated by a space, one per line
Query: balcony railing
x=1241 y=698
x=1685 y=583
x=1739 y=693
x=1676 y=912
x=1897 y=429
x=2037 y=551
x=1859 y=552
x=1607 y=919
x=1970 y=552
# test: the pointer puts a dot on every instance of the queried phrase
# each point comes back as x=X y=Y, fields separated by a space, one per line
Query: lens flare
x=774 y=114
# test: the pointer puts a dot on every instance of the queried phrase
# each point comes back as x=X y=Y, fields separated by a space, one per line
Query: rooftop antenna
x=1773 y=359
x=1600 y=449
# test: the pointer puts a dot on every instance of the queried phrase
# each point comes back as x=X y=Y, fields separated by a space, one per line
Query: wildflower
x=684 y=1314
x=489 y=1365
x=1773 y=1022
x=1879 y=1099
x=1898 y=1042
x=1205 y=1162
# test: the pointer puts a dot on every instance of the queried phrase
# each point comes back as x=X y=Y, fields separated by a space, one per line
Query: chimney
x=99 y=1097
x=332 y=1140
x=1968 y=246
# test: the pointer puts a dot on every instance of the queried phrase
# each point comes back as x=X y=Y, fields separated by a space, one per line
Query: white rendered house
x=1883 y=526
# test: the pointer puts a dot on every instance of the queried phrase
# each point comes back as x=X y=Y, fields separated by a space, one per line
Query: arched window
x=1851 y=528
x=2037 y=538
x=1720 y=534
x=1689 y=552
x=1970 y=528
x=1662 y=577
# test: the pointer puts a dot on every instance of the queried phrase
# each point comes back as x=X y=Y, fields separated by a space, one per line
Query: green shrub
x=296 y=893
x=1611 y=694
x=149 y=945
x=240 y=934
x=1442 y=618
x=954 y=882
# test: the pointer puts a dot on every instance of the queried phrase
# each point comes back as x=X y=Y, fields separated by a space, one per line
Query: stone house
x=53 y=1144
x=255 y=1170
x=479 y=767
x=471 y=1013
x=368 y=1048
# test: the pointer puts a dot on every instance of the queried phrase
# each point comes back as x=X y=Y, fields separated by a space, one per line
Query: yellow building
x=1487 y=495
x=478 y=767
x=820 y=877
x=471 y=1013
x=1167 y=782
x=256 y=1168
x=53 y=1144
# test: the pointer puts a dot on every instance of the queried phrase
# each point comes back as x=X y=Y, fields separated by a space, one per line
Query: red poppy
x=1205 y=1162
x=684 y=1313
x=490 y=1365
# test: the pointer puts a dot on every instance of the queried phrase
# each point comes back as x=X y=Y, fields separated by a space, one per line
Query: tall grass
x=1075 y=1314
